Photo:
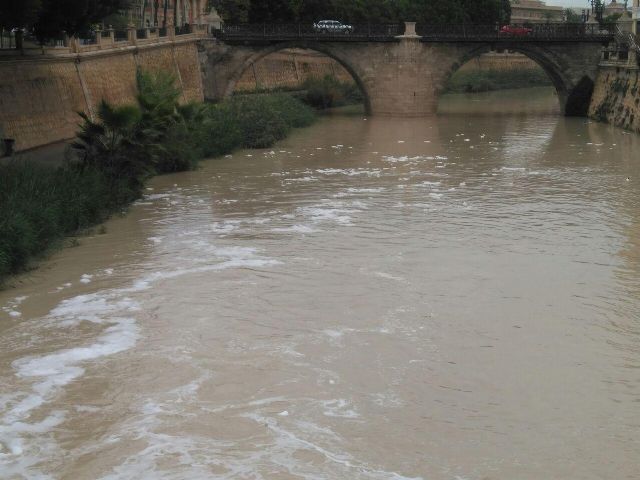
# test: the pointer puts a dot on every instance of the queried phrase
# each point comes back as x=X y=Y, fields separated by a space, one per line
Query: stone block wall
x=616 y=97
x=40 y=97
x=500 y=62
x=290 y=68
x=39 y=101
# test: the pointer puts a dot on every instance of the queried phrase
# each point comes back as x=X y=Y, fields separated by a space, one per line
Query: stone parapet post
x=74 y=44
x=410 y=29
x=132 y=36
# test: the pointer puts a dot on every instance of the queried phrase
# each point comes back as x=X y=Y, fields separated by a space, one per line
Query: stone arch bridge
x=404 y=74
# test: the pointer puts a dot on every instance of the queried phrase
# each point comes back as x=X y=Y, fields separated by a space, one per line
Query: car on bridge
x=515 y=30
x=332 y=26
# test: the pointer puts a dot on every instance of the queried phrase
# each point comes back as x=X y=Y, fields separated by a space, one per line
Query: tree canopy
x=19 y=13
x=49 y=18
x=364 y=11
x=73 y=16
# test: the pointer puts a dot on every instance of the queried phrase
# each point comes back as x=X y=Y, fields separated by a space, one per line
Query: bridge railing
x=294 y=31
x=515 y=32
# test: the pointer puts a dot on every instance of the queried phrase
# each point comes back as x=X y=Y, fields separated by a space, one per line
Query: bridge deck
x=550 y=32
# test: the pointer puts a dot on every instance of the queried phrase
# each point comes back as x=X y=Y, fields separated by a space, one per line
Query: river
x=455 y=297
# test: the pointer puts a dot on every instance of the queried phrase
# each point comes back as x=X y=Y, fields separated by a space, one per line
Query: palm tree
x=115 y=144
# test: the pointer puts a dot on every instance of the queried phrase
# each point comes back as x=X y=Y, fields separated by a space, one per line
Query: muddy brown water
x=455 y=297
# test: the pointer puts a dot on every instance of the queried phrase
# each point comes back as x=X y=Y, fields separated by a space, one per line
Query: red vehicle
x=515 y=30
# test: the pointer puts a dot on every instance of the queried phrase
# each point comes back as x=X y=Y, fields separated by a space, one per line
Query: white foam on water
x=11 y=307
x=288 y=432
x=350 y=171
x=225 y=227
x=231 y=257
x=327 y=214
x=301 y=179
x=26 y=442
x=86 y=278
x=366 y=190
x=333 y=333
x=294 y=229
x=389 y=276
x=158 y=196
x=339 y=408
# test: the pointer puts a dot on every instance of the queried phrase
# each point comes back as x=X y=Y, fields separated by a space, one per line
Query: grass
x=490 y=80
x=40 y=205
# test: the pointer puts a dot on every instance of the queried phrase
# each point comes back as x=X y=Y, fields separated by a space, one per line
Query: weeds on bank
x=114 y=154
x=328 y=92
x=490 y=80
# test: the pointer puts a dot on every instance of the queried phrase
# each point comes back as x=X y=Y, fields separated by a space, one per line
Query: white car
x=332 y=26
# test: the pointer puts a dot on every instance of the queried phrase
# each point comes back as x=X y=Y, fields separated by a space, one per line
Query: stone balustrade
x=110 y=39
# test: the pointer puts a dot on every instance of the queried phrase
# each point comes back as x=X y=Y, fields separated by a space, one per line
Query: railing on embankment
x=100 y=40
x=548 y=32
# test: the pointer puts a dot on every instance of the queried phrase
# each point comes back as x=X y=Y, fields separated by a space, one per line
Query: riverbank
x=112 y=158
x=474 y=81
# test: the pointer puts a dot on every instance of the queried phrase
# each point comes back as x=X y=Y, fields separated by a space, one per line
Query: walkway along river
x=455 y=297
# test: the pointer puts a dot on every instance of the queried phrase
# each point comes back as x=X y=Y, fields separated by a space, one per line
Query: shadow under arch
x=317 y=47
x=543 y=58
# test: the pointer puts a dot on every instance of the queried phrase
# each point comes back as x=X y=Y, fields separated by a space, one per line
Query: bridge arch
x=405 y=75
x=325 y=49
x=573 y=88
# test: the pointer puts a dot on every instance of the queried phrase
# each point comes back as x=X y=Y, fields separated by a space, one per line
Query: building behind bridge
x=162 y=13
x=535 y=11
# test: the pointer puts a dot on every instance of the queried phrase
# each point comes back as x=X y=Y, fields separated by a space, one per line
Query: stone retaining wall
x=40 y=97
x=616 y=97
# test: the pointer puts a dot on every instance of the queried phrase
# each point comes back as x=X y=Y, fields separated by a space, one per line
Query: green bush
x=328 y=92
x=490 y=80
x=264 y=119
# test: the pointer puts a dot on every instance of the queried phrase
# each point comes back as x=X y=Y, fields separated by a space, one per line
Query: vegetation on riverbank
x=490 y=80
x=115 y=154
x=330 y=92
x=320 y=93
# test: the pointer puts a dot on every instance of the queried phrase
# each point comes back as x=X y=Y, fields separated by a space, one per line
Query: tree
x=270 y=11
x=232 y=11
x=364 y=11
x=74 y=17
x=611 y=19
x=18 y=14
x=572 y=17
